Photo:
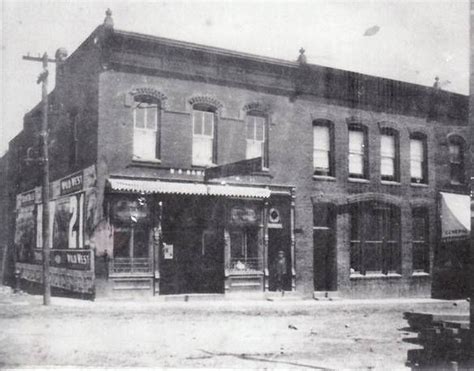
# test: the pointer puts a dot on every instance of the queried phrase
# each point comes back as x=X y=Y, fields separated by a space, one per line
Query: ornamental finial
x=108 y=21
x=302 y=58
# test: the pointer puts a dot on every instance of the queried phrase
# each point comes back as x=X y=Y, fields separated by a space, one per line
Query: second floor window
x=388 y=157
x=322 y=149
x=456 y=161
x=255 y=137
x=357 y=153
x=203 y=137
x=417 y=160
x=145 y=128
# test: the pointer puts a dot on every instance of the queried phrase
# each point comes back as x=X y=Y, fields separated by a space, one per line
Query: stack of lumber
x=444 y=337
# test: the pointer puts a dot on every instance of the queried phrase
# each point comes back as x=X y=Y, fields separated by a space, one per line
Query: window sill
x=142 y=161
x=421 y=185
x=358 y=276
x=420 y=274
x=327 y=178
x=358 y=180
x=390 y=182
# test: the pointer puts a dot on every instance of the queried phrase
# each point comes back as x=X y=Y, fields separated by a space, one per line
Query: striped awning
x=197 y=189
x=455 y=216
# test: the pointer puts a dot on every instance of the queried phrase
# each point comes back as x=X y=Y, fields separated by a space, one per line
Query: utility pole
x=44 y=161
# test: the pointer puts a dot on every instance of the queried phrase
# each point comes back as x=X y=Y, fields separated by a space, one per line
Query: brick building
x=178 y=168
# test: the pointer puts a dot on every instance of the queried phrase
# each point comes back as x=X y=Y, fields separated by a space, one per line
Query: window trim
x=424 y=213
x=396 y=159
x=157 y=130
x=424 y=167
x=455 y=139
x=202 y=107
x=266 y=132
x=365 y=163
x=331 y=155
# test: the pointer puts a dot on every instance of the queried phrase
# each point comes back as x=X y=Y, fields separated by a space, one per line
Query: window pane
x=356 y=164
x=387 y=166
x=321 y=159
x=140 y=243
x=387 y=146
x=237 y=245
x=259 y=128
x=454 y=153
x=373 y=256
x=416 y=150
x=208 y=123
x=139 y=116
x=197 y=122
x=202 y=151
x=250 y=129
x=144 y=143
x=254 y=149
x=419 y=228
x=356 y=142
x=151 y=116
x=416 y=168
x=321 y=138
x=121 y=243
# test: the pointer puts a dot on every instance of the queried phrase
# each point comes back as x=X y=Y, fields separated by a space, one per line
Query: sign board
x=168 y=251
x=243 y=215
x=67 y=258
x=244 y=167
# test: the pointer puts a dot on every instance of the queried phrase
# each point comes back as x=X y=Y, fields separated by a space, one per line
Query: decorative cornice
x=378 y=197
x=151 y=92
x=207 y=100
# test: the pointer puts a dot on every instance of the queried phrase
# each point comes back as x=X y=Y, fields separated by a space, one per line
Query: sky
x=409 y=40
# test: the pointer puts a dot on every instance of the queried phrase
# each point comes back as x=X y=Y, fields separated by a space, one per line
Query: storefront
x=450 y=272
x=184 y=238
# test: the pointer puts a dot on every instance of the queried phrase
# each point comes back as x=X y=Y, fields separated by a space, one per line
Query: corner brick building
x=178 y=168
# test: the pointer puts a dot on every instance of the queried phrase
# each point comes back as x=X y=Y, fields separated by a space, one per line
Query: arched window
x=204 y=135
x=323 y=148
x=389 y=155
x=358 y=151
x=418 y=158
x=257 y=136
x=146 y=128
x=456 y=159
x=375 y=238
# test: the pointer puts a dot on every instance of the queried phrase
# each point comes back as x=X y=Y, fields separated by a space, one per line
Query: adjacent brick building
x=178 y=168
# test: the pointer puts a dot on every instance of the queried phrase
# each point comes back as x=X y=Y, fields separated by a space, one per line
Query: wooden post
x=293 y=242
x=266 y=277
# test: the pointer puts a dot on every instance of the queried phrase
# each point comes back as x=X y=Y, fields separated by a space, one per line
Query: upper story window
x=323 y=144
x=256 y=143
x=204 y=136
x=456 y=160
x=358 y=158
x=418 y=163
x=146 y=125
x=389 y=163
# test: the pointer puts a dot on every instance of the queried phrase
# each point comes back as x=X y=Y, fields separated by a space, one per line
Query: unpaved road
x=230 y=334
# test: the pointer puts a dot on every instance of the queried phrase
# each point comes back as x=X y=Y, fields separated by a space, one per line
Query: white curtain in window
x=356 y=152
x=255 y=136
x=416 y=158
x=387 y=151
x=321 y=147
x=203 y=130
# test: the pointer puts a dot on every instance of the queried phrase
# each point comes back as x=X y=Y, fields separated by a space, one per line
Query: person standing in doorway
x=280 y=270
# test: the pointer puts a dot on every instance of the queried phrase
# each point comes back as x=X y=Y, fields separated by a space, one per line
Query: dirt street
x=232 y=334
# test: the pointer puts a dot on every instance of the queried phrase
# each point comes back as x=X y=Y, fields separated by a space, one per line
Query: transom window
x=389 y=156
x=244 y=249
x=357 y=152
x=375 y=238
x=418 y=169
x=203 y=137
x=456 y=161
x=145 y=124
x=323 y=148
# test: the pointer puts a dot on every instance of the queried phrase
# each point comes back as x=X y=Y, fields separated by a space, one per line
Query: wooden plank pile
x=445 y=339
